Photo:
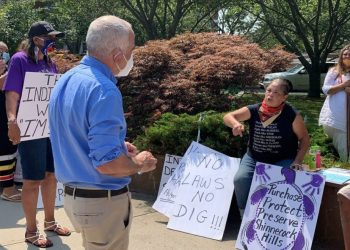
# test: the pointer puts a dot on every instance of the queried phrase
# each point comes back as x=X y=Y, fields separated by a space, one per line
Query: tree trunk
x=315 y=81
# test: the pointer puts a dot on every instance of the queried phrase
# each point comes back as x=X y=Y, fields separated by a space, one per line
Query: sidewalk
x=148 y=231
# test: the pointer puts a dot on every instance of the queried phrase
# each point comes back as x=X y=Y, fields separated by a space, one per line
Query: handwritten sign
x=18 y=177
x=282 y=209
x=32 y=115
x=170 y=164
x=167 y=197
x=59 y=196
x=198 y=194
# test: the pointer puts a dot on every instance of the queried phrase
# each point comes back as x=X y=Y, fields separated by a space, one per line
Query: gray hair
x=2 y=44
x=284 y=84
x=107 y=33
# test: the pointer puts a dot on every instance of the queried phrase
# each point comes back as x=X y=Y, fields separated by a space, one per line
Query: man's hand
x=132 y=149
x=146 y=161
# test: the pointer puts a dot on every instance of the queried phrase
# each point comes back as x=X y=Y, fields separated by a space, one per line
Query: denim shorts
x=36 y=158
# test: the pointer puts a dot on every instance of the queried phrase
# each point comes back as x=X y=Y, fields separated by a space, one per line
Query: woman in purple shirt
x=36 y=155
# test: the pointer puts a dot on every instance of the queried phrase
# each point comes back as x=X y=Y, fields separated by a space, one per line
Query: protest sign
x=59 y=196
x=32 y=115
x=170 y=164
x=18 y=176
x=199 y=192
x=167 y=197
x=282 y=209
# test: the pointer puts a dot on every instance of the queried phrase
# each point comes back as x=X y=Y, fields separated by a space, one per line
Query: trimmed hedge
x=173 y=134
x=192 y=73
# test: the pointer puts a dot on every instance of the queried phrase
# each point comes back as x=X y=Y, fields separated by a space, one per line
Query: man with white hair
x=88 y=129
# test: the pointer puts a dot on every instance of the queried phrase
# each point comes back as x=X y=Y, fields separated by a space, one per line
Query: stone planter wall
x=148 y=183
x=329 y=234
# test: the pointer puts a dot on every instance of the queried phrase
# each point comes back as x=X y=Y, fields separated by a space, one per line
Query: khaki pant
x=344 y=205
x=103 y=222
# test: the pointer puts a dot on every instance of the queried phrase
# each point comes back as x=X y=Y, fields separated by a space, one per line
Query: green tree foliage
x=238 y=20
x=75 y=16
x=165 y=19
x=316 y=27
x=15 y=18
x=151 y=19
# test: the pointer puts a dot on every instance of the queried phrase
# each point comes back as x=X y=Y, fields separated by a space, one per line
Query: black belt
x=92 y=193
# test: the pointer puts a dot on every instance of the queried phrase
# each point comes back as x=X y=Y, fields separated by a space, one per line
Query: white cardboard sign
x=167 y=197
x=32 y=115
x=198 y=195
x=18 y=176
x=59 y=196
x=282 y=209
x=170 y=164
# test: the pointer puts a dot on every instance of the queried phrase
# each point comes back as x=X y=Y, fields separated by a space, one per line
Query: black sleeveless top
x=275 y=142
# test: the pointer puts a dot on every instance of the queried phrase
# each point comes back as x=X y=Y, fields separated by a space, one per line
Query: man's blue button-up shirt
x=87 y=125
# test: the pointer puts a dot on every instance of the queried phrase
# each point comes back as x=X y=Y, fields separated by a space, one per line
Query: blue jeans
x=244 y=176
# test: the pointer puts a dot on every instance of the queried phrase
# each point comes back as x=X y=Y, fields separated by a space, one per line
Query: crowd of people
x=87 y=151
x=99 y=162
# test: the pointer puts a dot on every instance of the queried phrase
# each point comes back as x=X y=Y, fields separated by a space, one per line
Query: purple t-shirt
x=20 y=63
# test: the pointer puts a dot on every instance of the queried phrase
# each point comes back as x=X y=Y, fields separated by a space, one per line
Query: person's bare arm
x=14 y=133
x=2 y=67
x=339 y=87
x=2 y=80
x=234 y=119
x=300 y=130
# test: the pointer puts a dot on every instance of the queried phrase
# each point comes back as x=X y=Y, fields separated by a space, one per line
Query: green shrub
x=173 y=134
x=191 y=73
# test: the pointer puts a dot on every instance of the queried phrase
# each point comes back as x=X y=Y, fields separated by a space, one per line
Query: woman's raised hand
x=238 y=129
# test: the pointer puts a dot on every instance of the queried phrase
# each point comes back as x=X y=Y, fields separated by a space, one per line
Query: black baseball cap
x=43 y=28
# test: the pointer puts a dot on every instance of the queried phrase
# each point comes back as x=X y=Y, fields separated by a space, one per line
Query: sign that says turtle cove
x=32 y=115
x=282 y=209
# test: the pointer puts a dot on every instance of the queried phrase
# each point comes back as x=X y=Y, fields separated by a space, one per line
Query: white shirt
x=333 y=112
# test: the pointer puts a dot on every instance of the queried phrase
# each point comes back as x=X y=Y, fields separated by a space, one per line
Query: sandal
x=40 y=240
x=13 y=198
x=57 y=228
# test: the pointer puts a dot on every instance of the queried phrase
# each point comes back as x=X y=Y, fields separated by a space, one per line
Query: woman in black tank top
x=277 y=135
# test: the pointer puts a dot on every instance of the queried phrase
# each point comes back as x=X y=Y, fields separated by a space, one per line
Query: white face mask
x=125 y=71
